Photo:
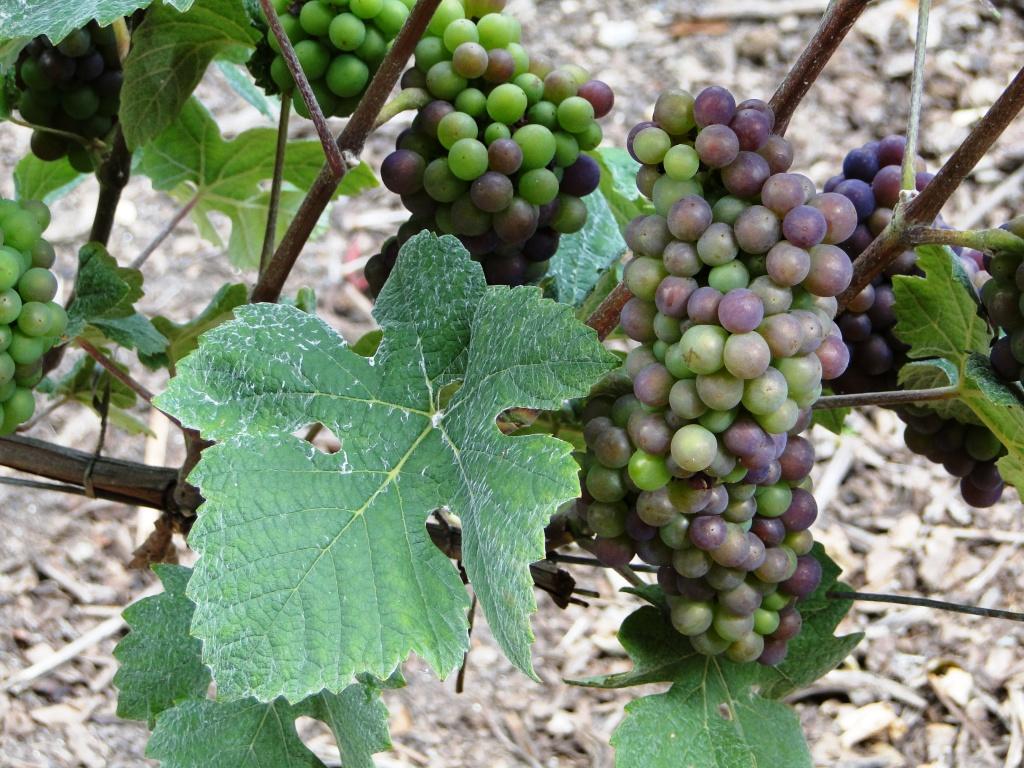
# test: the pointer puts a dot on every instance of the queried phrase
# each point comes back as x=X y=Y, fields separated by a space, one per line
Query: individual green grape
x=347 y=75
x=506 y=103
x=25 y=350
x=35 y=319
x=391 y=18
x=519 y=56
x=575 y=114
x=10 y=306
x=773 y=500
x=313 y=57
x=21 y=228
x=728 y=277
x=650 y=145
x=472 y=102
x=567 y=149
x=538 y=146
x=10 y=267
x=454 y=127
x=648 y=472
x=17 y=409
x=643 y=276
x=447 y=12
x=532 y=86
x=7 y=367
x=748 y=648
x=765 y=621
x=5 y=337
x=497 y=30
x=718 y=421
x=467 y=159
x=281 y=75
x=702 y=347
x=58 y=319
x=730 y=626
x=458 y=32
x=315 y=18
x=346 y=32
x=681 y=162
x=429 y=51
x=694 y=448
x=605 y=484
x=539 y=186
x=441 y=184
x=765 y=393
x=690 y=618
x=721 y=390
x=366 y=9
x=38 y=209
x=544 y=113
x=496 y=131
x=444 y=82
x=571 y=216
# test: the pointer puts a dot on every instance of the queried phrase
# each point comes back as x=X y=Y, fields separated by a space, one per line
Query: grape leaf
x=937 y=315
x=57 y=18
x=618 y=185
x=719 y=714
x=1000 y=407
x=86 y=383
x=831 y=419
x=162 y=680
x=584 y=256
x=241 y=83
x=170 y=52
x=191 y=160
x=183 y=337
x=160 y=663
x=938 y=372
x=35 y=179
x=302 y=584
x=103 y=305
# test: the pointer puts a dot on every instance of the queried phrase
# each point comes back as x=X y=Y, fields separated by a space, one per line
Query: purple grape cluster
x=700 y=470
x=1003 y=297
x=871 y=181
x=498 y=157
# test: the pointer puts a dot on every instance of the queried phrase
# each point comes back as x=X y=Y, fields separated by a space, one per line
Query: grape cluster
x=871 y=180
x=30 y=321
x=75 y=87
x=339 y=44
x=700 y=471
x=497 y=157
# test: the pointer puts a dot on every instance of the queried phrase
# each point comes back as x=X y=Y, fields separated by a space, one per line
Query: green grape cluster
x=701 y=470
x=31 y=322
x=339 y=43
x=73 y=87
x=497 y=157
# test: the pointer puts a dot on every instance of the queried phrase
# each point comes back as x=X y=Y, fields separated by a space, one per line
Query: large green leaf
x=103 y=309
x=618 y=185
x=57 y=18
x=585 y=255
x=35 y=179
x=718 y=714
x=192 y=160
x=314 y=567
x=170 y=52
x=160 y=664
x=162 y=680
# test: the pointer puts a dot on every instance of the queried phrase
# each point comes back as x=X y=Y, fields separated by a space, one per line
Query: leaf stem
x=331 y=150
x=94 y=144
x=111 y=367
x=352 y=139
x=895 y=397
x=909 y=173
x=270 y=234
x=836 y=23
x=942 y=605
x=925 y=207
x=987 y=240
x=164 y=233
x=407 y=98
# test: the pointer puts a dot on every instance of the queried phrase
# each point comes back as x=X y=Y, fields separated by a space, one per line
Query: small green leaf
x=103 y=307
x=170 y=52
x=1000 y=407
x=241 y=83
x=831 y=419
x=584 y=256
x=192 y=161
x=301 y=584
x=58 y=18
x=618 y=185
x=937 y=315
x=160 y=663
x=719 y=714
x=930 y=374
x=184 y=337
x=46 y=181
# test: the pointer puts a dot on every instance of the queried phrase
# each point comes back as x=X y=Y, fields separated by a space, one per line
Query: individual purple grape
x=703 y=304
x=802 y=511
x=805 y=578
x=542 y=246
x=886 y=187
x=654 y=552
x=861 y=163
x=742 y=600
x=770 y=530
x=790 y=624
x=839 y=213
x=600 y=95
x=756 y=553
x=733 y=550
x=782 y=192
x=637 y=529
x=804 y=226
x=637 y=320
x=922 y=179
x=833 y=182
x=740 y=311
x=504 y=156
x=783 y=333
x=652 y=384
x=667 y=580
x=778 y=565
x=650 y=433
x=689 y=218
x=581 y=178
x=516 y=223
x=778 y=153
x=860 y=194
x=713 y=106
x=834 y=356
x=505 y=270
x=745 y=438
x=707 y=532
x=858 y=241
x=614 y=553
x=756 y=229
x=694 y=589
x=752 y=127
x=673 y=294
x=648 y=236
x=1003 y=362
x=891 y=150
x=402 y=172
x=745 y=175
x=760 y=106
x=636 y=129
x=980 y=497
x=986 y=476
x=717 y=146
x=831 y=271
x=787 y=264
x=774 y=653
x=492 y=192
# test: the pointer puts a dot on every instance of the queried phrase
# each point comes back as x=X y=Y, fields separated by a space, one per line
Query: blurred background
x=923 y=689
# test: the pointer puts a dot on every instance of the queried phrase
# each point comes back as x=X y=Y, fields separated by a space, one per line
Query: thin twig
x=830 y=34
x=95 y=144
x=909 y=173
x=270 y=234
x=988 y=240
x=164 y=233
x=941 y=605
x=925 y=207
x=593 y=562
x=73 y=490
x=895 y=397
x=352 y=139
x=331 y=150
x=116 y=372
x=606 y=316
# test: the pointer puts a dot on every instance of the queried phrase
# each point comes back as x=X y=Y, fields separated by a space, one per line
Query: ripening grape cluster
x=701 y=471
x=75 y=87
x=1003 y=297
x=339 y=44
x=31 y=322
x=871 y=180
x=496 y=158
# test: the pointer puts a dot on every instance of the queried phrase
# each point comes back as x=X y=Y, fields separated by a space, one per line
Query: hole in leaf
x=318 y=739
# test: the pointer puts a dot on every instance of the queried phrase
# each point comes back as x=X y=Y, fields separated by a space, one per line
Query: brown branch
x=830 y=33
x=111 y=367
x=926 y=206
x=895 y=397
x=606 y=316
x=113 y=175
x=331 y=150
x=352 y=139
x=942 y=605
x=270 y=233
x=164 y=233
